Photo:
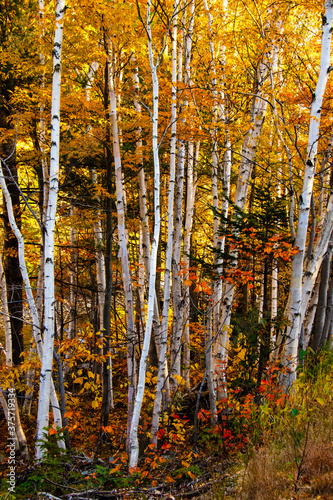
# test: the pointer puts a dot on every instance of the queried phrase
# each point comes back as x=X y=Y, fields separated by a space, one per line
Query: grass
x=295 y=459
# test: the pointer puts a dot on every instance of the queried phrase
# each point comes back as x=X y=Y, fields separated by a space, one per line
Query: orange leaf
x=52 y=431
x=169 y=479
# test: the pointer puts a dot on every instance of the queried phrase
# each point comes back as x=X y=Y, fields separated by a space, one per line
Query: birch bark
x=49 y=287
x=125 y=264
x=295 y=312
x=190 y=198
x=162 y=384
x=327 y=331
x=144 y=211
x=134 y=444
x=21 y=441
x=30 y=298
x=319 y=320
x=178 y=296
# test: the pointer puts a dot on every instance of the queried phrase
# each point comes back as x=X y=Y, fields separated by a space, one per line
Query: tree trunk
x=10 y=246
x=162 y=387
x=294 y=313
x=134 y=444
x=20 y=439
x=327 y=330
x=125 y=264
x=49 y=298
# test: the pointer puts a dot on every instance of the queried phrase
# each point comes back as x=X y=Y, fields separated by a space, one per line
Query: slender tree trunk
x=28 y=290
x=327 y=330
x=310 y=314
x=319 y=321
x=178 y=297
x=162 y=387
x=72 y=277
x=10 y=245
x=134 y=445
x=21 y=440
x=190 y=198
x=125 y=264
x=106 y=280
x=144 y=217
x=49 y=298
x=43 y=197
x=210 y=368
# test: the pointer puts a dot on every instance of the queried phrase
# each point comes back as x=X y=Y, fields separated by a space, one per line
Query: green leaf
x=302 y=355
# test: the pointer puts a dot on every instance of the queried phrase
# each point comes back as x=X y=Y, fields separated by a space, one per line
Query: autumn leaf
x=169 y=479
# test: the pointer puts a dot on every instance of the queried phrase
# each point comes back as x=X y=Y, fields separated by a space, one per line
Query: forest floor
x=279 y=449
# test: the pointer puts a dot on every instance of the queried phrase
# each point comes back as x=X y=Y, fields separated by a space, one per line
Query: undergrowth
x=295 y=458
x=263 y=446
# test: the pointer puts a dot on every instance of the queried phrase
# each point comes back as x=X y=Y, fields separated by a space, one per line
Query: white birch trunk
x=143 y=205
x=324 y=178
x=327 y=331
x=20 y=439
x=49 y=286
x=319 y=322
x=162 y=364
x=141 y=181
x=44 y=164
x=190 y=197
x=124 y=253
x=134 y=444
x=213 y=325
x=30 y=298
x=99 y=242
x=210 y=368
x=310 y=315
x=295 y=312
x=218 y=115
x=274 y=301
x=324 y=238
x=6 y=317
x=72 y=277
x=177 y=298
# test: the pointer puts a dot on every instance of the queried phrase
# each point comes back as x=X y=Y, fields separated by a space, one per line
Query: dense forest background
x=167 y=215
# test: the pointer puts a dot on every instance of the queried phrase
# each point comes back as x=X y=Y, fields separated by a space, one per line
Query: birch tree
x=177 y=292
x=125 y=264
x=49 y=285
x=162 y=384
x=190 y=201
x=21 y=440
x=295 y=311
x=134 y=444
